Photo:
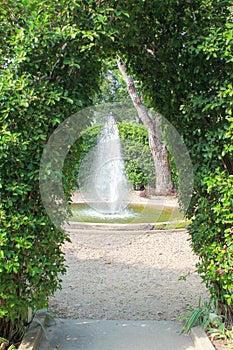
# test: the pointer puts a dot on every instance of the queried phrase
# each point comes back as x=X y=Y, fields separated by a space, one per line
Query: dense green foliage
x=136 y=153
x=113 y=87
x=85 y=144
x=182 y=54
x=212 y=237
x=50 y=68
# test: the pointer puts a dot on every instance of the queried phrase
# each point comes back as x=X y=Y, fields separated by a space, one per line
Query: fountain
x=106 y=189
x=104 y=196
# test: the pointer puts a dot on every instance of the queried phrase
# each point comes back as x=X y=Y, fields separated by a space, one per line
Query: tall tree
x=158 y=148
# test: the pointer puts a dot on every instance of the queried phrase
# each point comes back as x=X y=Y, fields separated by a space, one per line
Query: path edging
x=200 y=339
x=34 y=332
x=73 y=225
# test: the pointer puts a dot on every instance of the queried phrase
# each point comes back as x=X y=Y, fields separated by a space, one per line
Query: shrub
x=211 y=233
x=137 y=155
x=50 y=69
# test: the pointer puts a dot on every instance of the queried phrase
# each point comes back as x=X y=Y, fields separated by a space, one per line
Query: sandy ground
x=128 y=275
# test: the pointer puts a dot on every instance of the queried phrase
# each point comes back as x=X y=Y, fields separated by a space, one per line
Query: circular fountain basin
x=134 y=214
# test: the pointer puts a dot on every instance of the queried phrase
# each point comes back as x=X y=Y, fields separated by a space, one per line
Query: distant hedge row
x=136 y=153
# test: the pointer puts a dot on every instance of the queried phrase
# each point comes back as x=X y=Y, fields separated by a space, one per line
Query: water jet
x=105 y=189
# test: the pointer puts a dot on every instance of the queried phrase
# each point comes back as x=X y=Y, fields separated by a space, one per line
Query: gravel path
x=128 y=275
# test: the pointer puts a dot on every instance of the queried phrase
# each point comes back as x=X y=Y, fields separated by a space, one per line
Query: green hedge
x=49 y=71
x=135 y=151
x=211 y=233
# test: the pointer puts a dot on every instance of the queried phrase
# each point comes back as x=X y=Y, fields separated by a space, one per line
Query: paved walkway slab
x=77 y=334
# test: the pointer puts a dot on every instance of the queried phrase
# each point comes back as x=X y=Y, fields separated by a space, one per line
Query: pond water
x=134 y=213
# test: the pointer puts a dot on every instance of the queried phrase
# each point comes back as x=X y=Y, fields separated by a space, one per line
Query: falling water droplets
x=105 y=189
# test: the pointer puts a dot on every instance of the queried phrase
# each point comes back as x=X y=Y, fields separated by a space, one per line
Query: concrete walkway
x=72 y=334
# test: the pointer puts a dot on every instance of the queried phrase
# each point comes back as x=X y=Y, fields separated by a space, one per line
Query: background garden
x=54 y=59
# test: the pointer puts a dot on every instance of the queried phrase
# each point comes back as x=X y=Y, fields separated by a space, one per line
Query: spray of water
x=105 y=188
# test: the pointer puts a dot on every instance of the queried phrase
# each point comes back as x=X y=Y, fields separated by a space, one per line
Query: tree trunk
x=163 y=182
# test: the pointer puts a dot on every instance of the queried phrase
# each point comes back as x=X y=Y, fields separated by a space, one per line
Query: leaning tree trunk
x=159 y=152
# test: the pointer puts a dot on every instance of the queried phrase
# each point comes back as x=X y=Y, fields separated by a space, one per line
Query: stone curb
x=71 y=225
x=200 y=339
x=34 y=332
